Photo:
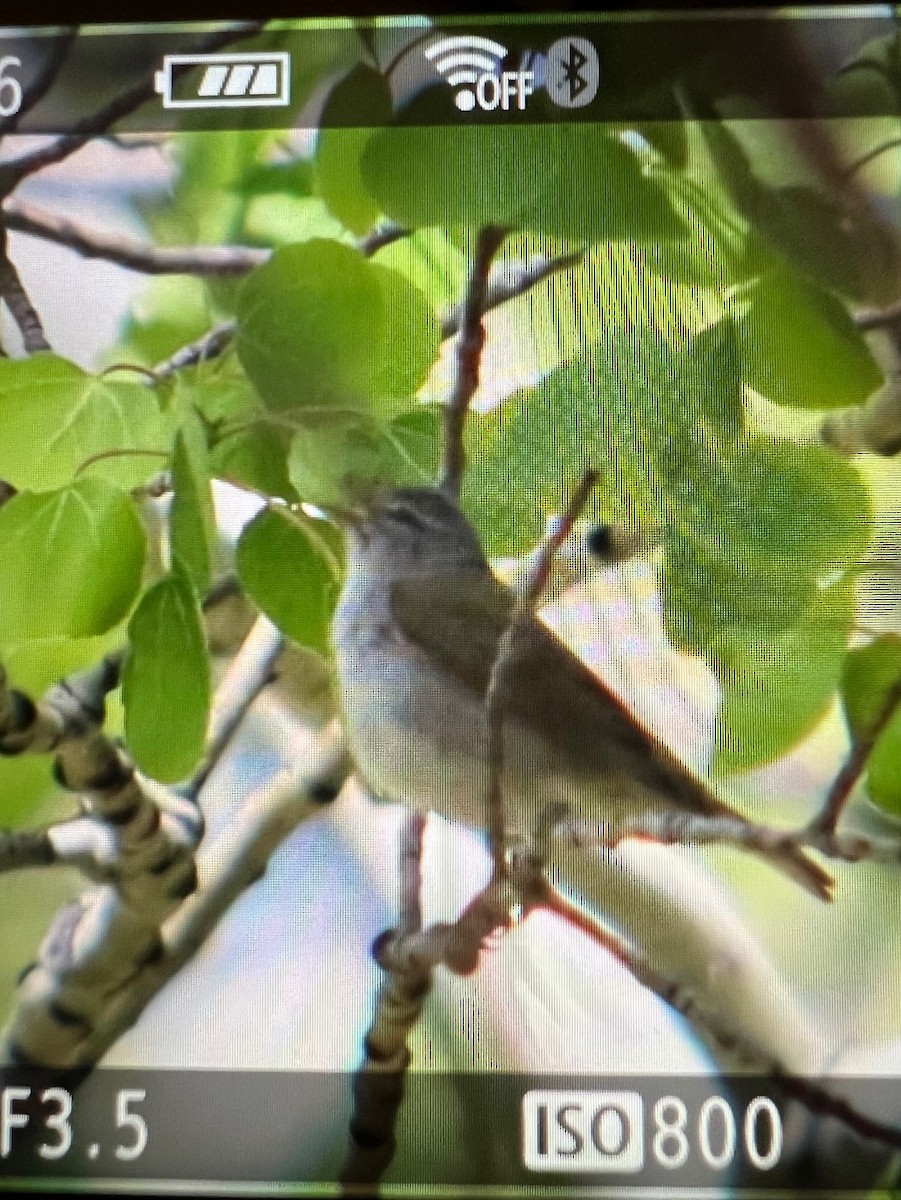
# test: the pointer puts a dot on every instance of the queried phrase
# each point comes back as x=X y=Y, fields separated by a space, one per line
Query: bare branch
x=313 y=774
x=718 y=1031
x=213 y=343
x=854 y=766
x=217 y=340
x=249 y=672
x=381 y=236
x=13 y=172
x=215 y=261
x=137 y=256
x=17 y=300
x=25 y=848
x=496 y=694
x=510 y=285
x=379 y=1083
x=471 y=339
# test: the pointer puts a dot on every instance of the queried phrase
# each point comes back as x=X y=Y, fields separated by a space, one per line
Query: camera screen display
x=450 y=605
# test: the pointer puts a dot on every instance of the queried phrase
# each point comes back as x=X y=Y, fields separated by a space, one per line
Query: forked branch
x=470 y=340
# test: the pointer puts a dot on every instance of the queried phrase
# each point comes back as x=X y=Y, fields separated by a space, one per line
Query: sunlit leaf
x=321 y=326
x=338 y=147
x=192 y=523
x=568 y=180
x=55 y=417
x=343 y=457
x=800 y=346
x=288 y=564
x=166 y=680
x=71 y=558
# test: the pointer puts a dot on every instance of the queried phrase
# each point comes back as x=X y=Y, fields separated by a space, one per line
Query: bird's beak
x=348 y=516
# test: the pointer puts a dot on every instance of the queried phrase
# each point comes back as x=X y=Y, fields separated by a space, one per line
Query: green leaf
x=320 y=326
x=802 y=223
x=172 y=311
x=255 y=457
x=870 y=83
x=342 y=457
x=884 y=768
x=651 y=420
x=566 y=180
x=338 y=148
x=753 y=528
x=54 y=416
x=289 y=565
x=775 y=690
x=869 y=676
x=279 y=219
x=166 y=680
x=192 y=522
x=800 y=346
x=72 y=560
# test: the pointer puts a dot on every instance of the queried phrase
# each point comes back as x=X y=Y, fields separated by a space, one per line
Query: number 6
x=10 y=86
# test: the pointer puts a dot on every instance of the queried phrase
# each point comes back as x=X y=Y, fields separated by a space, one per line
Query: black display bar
x=615 y=67
x=614 y=1135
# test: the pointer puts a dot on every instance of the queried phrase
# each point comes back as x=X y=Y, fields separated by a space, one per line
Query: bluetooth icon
x=573 y=72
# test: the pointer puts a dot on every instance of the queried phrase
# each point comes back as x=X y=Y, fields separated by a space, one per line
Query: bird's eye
x=404 y=515
x=599 y=541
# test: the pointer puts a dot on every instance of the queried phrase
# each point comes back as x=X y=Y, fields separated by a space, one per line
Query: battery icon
x=225 y=80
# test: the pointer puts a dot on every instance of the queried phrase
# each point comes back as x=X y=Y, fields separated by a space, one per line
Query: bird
x=416 y=632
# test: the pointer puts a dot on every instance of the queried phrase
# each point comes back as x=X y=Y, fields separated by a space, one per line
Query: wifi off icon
x=472 y=65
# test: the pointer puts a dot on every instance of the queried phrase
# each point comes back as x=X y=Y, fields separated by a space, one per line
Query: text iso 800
x=605 y=1132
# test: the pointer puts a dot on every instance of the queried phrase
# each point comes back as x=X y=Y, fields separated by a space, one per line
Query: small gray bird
x=416 y=634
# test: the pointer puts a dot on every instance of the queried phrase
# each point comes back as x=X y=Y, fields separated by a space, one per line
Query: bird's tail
x=793 y=861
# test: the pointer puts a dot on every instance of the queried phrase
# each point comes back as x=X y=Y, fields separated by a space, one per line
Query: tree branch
x=151 y=260
x=17 y=300
x=471 y=339
x=513 y=283
x=249 y=672
x=133 y=837
x=407 y=981
x=25 y=848
x=313 y=774
x=854 y=766
x=213 y=343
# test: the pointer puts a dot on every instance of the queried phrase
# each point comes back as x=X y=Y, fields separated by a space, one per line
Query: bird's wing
x=457 y=622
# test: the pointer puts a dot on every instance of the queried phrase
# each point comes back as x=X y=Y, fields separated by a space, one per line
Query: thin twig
x=214 y=261
x=471 y=339
x=213 y=343
x=380 y=237
x=217 y=340
x=719 y=1034
x=249 y=672
x=854 y=766
x=137 y=256
x=502 y=290
x=17 y=300
x=497 y=693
